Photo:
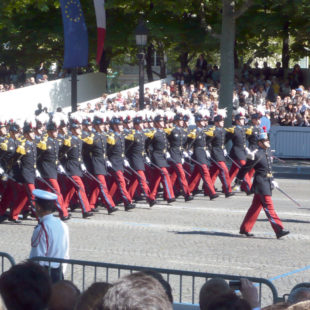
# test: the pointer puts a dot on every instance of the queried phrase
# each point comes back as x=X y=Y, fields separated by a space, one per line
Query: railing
x=7 y=261
x=186 y=284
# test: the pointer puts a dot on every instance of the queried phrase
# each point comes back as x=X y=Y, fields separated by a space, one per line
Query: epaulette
x=168 y=130
x=42 y=145
x=210 y=131
x=230 y=129
x=4 y=145
x=21 y=149
x=249 y=130
x=150 y=134
x=192 y=134
x=130 y=137
x=67 y=141
x=111 y=139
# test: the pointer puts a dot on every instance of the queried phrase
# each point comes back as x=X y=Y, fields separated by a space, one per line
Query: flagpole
x=74 y=89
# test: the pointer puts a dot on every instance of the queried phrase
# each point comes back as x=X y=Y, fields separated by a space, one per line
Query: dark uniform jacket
x=86 y=153
x=263 y=175
x=116 y=150
x=29 y=162
x=218 y=140
x=13 y=151
x=74 y=158
x=47 y=161
x=238 y=137
x=135 y=149
x=159 y=143
x=252 y=135
x=177 y=139
x=97 y=147
x=198 y=140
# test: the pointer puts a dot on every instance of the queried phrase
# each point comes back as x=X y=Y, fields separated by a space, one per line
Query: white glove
x=275 y=184
x=208 y=154
x=38 y=174
x=182 y=161
x=108 y=163
x=83 y=168
x=126 y=163
x=167 y=155
x=147 y=160
x=1 y=171
x=190 y=153
x=185 y=154
x=225 y=152
x=61 y=169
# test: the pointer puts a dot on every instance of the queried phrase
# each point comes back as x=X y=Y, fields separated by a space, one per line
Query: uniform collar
x=45 y=218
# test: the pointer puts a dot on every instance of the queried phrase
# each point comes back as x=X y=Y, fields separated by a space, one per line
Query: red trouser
x=80 y=191
x=163 y=176
x=102 y=189
x=202 y=171
x=142 y=182
x=261 y=201
x=178 y=173
x=118 y=188
x=221 y=169
x=24 y=195
x=234 y=169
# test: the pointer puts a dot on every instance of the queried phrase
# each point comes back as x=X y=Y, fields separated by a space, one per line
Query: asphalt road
x=201 y=235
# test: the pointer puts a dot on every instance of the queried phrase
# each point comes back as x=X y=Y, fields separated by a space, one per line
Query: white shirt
x=50 y=239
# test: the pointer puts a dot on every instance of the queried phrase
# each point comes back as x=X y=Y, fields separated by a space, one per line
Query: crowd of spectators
x=285 y=102
x=27 y=286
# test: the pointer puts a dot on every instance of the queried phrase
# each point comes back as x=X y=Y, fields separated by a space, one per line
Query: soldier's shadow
x=214 y=234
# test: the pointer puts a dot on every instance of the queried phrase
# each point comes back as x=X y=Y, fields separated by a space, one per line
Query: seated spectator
x=91 y=299
x=64 y=296
x=211 y=289
x=228 y=301
x=299 y=294
x=136 y=291
x=25 y=286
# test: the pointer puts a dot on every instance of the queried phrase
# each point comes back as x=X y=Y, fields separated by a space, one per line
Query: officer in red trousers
x=201 y=155
x=12 y=152
x=74 y=166
x=218 y=154
x=135 y=152
x=117 y=162
x=177 y=138
x=158 y=143
x=262 y=188
x=97 y=146
x=238 y=152
x=49 y=165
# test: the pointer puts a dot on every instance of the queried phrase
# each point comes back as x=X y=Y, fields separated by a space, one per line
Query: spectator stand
x=186 y=284
x=7 y=261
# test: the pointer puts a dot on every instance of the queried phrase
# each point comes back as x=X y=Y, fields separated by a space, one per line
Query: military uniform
x=198 y=141
x=157 y=140
x=262 y=187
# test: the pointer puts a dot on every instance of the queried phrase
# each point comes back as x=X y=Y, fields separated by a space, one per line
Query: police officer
x=262 y=188
x=50 y=237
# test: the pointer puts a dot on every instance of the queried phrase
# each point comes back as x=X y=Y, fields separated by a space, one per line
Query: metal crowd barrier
x=185 y=284
x=7 y=261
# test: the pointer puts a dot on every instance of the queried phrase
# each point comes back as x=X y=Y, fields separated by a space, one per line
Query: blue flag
x=75 y=33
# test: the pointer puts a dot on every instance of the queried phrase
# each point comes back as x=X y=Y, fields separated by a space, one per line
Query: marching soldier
x=49 y=165
x=238 y=152
x=117 y=161
x=74 y=166
x=177 y=138
x=198 y=141
x=159 y=155
x=262 y=188
x=218 y=154
x=135 y=152
x=97 y=146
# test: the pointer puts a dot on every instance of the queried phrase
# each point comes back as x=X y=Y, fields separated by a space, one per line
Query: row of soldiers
x=120 y=158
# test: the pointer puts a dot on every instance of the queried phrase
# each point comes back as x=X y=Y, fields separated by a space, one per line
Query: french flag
x=101 y=27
